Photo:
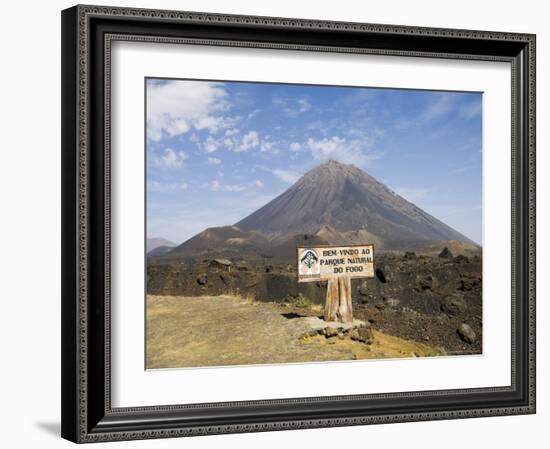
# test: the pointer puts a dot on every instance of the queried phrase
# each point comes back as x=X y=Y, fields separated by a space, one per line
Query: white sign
x=326 y=262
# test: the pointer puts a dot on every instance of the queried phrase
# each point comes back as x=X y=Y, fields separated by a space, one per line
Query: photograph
x=282 y=219
x=296 y=223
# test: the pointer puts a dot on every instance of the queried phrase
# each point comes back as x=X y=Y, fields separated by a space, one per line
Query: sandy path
x=225 y=330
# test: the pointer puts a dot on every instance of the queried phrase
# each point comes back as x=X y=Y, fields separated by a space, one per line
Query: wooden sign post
x=337 y=265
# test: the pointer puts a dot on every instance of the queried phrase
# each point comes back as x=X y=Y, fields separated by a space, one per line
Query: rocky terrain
x=417 y=297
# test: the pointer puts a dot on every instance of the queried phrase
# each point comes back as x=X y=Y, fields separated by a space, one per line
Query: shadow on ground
x=53 y=428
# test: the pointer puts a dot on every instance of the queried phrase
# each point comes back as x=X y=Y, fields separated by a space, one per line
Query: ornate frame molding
x=87 y=419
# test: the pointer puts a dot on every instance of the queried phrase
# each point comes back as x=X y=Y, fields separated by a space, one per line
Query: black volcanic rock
x=446 y=254
x=337 y=198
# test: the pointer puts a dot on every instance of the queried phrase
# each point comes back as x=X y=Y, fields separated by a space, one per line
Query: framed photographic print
x=276 y=223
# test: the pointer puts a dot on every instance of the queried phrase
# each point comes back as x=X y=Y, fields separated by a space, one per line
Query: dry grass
x=234 y=330
x=248 y=298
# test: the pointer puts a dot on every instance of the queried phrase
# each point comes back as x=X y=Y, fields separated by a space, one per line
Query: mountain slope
x=223 y=240
x=335 y=198
x=160 y=251
x=156 y=242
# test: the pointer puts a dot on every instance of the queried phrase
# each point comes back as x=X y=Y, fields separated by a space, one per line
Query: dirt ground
x=228 y=330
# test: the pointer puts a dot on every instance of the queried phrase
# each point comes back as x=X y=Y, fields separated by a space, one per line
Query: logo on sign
x=309 y=262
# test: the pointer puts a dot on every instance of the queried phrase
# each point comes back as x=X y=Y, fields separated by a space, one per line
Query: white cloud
x=254 y=113
x=303 y=105
x=258 y=183
x=342 y=150
x=249 y=141
x=210 y=145
x=295 y=146
x=176 y=107
x=156 y=186
x=460 y=170
x=213 y=160
x=233 y=188
x=266 y=146
x=286 y=175
x=170 y=159
x=292 y=107
x=231 y=132
x=208 y=122
x=228 y=143
x=436 y=109
x=326 y=148
x=216 y=186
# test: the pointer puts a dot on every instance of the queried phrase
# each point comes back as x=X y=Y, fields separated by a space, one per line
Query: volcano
x=339 y=199
x=333 y=204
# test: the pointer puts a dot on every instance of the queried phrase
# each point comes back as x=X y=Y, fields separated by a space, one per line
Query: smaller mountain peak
x=325 y=228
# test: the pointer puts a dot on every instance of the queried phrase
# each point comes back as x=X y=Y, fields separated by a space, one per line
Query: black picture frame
x=87 y=414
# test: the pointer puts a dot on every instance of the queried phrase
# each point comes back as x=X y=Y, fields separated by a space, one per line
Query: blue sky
x=217 y=151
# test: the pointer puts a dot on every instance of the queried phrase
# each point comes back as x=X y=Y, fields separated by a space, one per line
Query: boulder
x=466 y=333
x=428 y=282
x=362 y=289
x=309 y=333
x=381 y=275
x=363 y=334
x=202 y=279
x=446 y=254
x=392 y=302
x=453 y=305
x=462 y=259
x=224 y=264
x=331 y=332
x=354 y=334
x=467 y=283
